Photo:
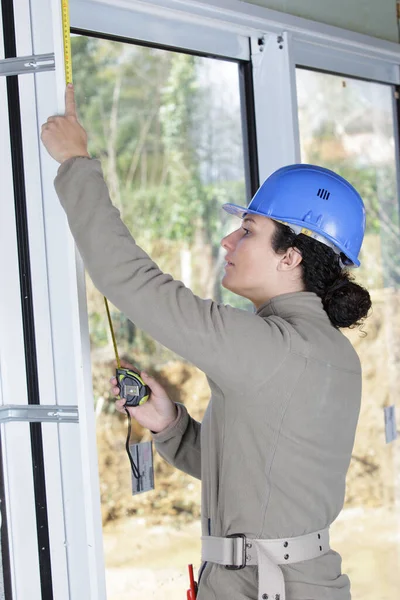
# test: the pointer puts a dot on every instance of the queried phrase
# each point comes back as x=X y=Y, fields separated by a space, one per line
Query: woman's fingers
x=119 y=405
x=153 y=384
x=115 y=389
x=127 y=365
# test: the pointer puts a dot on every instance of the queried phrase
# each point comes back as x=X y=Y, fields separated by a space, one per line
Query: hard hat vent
x=324 y=194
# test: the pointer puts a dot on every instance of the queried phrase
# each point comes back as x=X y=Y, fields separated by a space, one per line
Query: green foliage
x=178 y=107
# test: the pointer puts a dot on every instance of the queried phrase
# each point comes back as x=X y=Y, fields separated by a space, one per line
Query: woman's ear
x=290 y=260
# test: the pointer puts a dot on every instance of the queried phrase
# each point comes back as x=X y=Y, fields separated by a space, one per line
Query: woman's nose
x=226 y=242
x=229 y=241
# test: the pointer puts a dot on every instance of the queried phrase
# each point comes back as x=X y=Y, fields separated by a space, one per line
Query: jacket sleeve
x=179 y=444
x=222 y=341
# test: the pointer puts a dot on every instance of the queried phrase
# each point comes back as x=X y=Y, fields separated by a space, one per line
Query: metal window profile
x=159 y=19
x=68 y=459
x=64 y=352
x=176 y=30
x=246 y=86
x=26 y=64
x=39 y=413
x=12 y=364
x=21 y=228
x=5 y=578
x=275 y=102
x=29 y=86
x=329 y=57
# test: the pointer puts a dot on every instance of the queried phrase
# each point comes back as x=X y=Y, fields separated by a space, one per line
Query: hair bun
x=346 y=302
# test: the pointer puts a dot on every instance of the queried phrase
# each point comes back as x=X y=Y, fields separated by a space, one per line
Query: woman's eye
x=246 y=231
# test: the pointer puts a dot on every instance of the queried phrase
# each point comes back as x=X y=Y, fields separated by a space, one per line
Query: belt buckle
x=234 y=567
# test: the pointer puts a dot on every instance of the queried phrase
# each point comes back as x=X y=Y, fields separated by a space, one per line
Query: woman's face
x=253 y=270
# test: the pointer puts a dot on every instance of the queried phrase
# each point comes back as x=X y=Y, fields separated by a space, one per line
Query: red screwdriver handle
x=192 y=592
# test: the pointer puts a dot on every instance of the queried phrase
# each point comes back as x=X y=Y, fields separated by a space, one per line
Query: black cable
x=135 y=470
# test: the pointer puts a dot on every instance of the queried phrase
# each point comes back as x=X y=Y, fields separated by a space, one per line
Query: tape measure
x=132 y=388
x=67 y=41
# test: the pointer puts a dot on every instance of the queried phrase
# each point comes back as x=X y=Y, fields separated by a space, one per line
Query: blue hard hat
x=314 y=201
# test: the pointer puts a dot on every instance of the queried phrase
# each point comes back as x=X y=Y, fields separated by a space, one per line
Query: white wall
x=372 y=17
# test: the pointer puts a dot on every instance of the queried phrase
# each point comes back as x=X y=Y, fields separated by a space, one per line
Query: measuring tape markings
x=67 y=41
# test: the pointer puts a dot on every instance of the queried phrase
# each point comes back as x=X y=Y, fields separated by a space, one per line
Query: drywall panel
x=371 y=17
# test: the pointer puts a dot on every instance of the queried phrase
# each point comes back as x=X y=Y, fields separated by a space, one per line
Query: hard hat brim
x=239 y=211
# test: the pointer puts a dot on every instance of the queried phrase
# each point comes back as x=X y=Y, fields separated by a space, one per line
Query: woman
x=275 y=443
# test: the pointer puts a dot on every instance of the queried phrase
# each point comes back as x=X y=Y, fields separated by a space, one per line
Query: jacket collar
x=297 y=304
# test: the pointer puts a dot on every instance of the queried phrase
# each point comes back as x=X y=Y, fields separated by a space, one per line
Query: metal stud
x=286 y=556
x=265 y=596
x=286 y=544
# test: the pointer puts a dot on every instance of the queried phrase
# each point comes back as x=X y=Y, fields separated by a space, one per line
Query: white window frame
x=62 y=344
x=275 y=43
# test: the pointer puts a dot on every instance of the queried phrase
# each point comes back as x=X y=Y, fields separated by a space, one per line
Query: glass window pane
x=348 y=125
x=167 y=128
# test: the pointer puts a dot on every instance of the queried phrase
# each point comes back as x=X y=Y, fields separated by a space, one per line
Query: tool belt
x=236 y=551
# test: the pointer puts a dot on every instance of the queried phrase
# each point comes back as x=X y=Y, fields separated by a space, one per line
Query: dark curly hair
x=345 y=302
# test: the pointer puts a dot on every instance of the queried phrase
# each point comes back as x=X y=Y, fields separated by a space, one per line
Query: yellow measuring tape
x=68 y=79
x=112 y=333
x=67 y=41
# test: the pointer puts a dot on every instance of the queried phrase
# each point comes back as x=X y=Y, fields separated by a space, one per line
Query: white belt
x=237 y=551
